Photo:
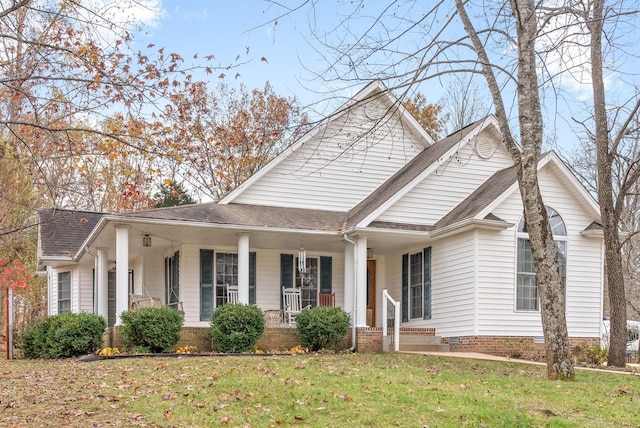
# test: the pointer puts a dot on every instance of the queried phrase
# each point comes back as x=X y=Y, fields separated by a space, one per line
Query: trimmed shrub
x=65 y=335
x=322 y=327
x=236 y=327
x=151 y=329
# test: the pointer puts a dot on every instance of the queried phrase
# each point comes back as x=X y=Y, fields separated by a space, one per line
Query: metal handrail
x=396 y=321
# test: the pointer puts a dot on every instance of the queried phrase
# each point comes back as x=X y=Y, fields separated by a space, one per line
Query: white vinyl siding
x=452 y=285
x=453 y=281
x=497 y=270
x=344 y=156
x=446 y=187
x=85 y=295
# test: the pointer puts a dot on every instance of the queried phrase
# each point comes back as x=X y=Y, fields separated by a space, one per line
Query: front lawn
x=309 y=390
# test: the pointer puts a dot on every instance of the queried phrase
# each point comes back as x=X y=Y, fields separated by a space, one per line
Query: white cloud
x=130 y=13
x=566 y=57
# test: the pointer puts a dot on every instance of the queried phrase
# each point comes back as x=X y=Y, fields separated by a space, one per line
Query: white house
x=376 y=204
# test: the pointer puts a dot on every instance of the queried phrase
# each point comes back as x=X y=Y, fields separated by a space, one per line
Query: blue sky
x=227 y=29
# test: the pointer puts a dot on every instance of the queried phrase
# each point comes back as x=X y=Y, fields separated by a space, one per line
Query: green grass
x=309 y=390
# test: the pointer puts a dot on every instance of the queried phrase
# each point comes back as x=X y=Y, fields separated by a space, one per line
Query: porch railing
x=393 y=320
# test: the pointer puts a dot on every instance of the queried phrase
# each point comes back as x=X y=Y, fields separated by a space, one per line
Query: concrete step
x=419 y=339
x=416 y=343
x=442 y=347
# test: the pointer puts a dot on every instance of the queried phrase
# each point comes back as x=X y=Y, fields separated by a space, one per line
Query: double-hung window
x=308 y=282
x=226 y=275
x=416 y=285
x=64 y=292
x=527 y=298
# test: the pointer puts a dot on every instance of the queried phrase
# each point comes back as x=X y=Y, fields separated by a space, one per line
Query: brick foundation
x=273 y=339
x=512 y=346
x=368 y=339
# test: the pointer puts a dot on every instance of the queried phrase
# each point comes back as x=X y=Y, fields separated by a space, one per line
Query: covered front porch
x=196 y=264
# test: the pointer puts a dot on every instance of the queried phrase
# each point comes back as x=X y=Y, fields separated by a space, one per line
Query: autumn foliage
x=13 y=275
x=429 y=116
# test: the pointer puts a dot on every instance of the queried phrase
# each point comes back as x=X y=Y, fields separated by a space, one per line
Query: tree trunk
x=608 y=213
x=545 y=256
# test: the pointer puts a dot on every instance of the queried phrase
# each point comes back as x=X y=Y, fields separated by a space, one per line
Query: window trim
x=59 y=300
x=523 y=234
x=411 y=286
x=234 y=282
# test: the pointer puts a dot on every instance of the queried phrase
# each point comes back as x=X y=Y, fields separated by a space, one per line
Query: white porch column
x=243 y=268
x=122 y=271
x=361 y=281
x=349 y=283
x=102 y=281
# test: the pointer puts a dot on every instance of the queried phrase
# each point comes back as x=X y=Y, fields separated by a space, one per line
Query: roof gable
x=371 y=125
x=408 y=177
x=481 y=198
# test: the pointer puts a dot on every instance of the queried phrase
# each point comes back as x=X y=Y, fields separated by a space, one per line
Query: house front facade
x=364 y=202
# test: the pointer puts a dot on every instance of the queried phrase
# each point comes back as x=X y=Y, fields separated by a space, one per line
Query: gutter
x=355 y=289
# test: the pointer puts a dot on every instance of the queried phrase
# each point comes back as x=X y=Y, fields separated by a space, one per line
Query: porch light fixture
x=302 y=260
x=146 y=241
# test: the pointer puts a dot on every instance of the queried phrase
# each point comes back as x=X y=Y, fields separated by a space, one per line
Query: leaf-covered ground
x=308 y=390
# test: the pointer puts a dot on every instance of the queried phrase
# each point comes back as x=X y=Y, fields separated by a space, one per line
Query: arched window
x=526 y=287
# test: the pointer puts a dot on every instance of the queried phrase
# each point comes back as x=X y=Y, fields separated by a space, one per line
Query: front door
x=371 y=293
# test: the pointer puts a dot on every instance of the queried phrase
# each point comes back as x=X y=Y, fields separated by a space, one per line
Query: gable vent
x=485 y=147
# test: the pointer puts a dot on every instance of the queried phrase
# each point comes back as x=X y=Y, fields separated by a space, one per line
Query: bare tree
x=612 y=133
x=437 y=50
x=463 y=103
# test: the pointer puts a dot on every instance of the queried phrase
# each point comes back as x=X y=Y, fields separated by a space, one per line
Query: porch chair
x=327 y=299
x=292 y=304
x=232 y=294
x=137 y=301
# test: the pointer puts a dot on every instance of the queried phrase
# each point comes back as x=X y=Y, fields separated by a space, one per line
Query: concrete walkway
x=487 y=357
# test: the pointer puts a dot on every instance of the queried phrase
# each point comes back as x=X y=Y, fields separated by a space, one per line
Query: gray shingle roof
x=63 y=231
x=405 y=175
x=484 y=195
x=248 y=215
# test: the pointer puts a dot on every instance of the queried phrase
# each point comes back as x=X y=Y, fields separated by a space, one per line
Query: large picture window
x=527 y=298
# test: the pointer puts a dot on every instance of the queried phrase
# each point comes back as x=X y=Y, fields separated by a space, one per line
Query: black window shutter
x=426 y=277
x=286 y=274
x=405 y=287
x=326 y=274
x=206 y=285
x=252 y=278
x=176 y=278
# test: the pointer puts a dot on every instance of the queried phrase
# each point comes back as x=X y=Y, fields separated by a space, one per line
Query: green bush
x=151 y=329
x=63 y=336
x=322 y=327
x=236 y=327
